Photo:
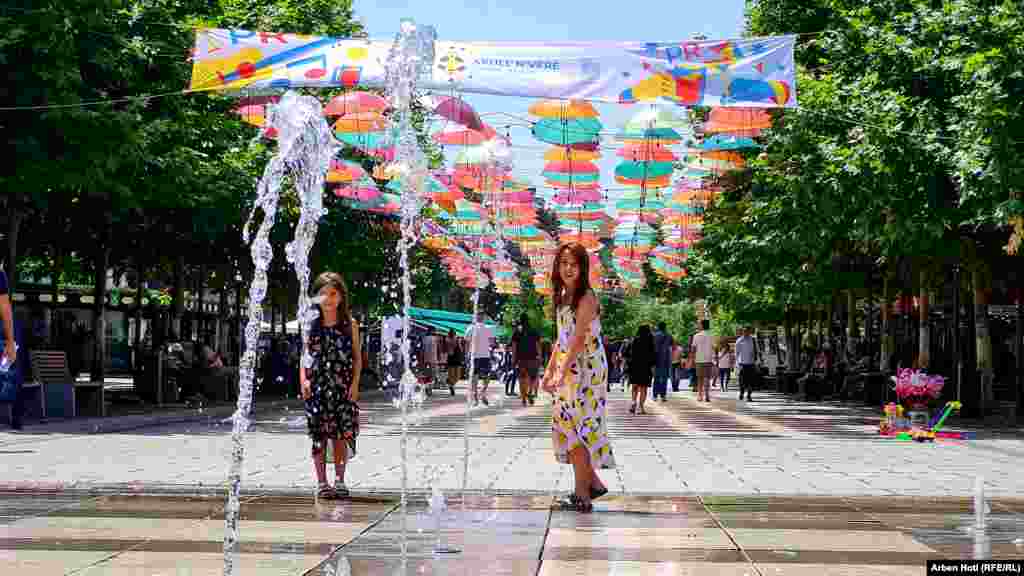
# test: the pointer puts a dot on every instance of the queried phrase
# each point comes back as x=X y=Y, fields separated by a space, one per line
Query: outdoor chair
x=60 y=391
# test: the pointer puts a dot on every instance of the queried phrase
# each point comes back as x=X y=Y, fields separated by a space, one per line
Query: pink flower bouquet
x=916 y=388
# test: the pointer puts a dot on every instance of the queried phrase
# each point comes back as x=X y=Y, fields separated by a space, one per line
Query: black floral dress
x=330 y=413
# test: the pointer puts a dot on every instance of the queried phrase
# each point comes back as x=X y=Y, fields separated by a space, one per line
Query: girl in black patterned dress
x=331 y=387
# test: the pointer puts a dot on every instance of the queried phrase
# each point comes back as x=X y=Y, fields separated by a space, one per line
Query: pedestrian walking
x=663 y=361
x=641 y=366
x=526 y=355
x=456 y=360
x=677 y=365
x=13 y=356
x=330 y=387
x=725 y=361
x=747 y=357
x=702 y=350
x=481 y=338
x=577 y=376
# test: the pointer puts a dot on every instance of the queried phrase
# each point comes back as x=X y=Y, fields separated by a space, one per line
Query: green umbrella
x=574 y=131
x=646 y=170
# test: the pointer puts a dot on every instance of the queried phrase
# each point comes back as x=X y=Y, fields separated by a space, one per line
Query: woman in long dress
x=577 y=375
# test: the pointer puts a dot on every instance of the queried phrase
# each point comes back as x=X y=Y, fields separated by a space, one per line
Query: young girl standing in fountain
x=577 y=375
x=331 y=386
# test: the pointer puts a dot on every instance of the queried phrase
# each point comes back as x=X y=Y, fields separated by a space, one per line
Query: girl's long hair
x=334 y=280
x=558 y=295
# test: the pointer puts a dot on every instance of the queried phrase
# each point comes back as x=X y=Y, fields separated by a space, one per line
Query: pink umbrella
x=578 y=196
x=455 y=110
x=355 y=103
x=456 y=134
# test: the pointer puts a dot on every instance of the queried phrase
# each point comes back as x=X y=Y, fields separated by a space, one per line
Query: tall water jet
x=304 y=150
x=411 y=56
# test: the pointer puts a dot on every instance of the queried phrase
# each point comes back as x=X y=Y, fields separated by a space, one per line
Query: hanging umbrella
x=363 y=189
x=571 y=167
x=458 y=135
x=563 y=109
x=341 y=170
x=646 y=153
x=361 y=122
x=564 y=153
x=643 y=170
x=591 y=186
x=355 y=103
x=579 y=178
x=578 y=196
x=745 y=121
x=574 y=131
x=453 y=109
x=727 y=142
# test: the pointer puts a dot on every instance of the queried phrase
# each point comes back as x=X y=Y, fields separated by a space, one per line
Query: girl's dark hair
x=334 y=280
x=558 y=296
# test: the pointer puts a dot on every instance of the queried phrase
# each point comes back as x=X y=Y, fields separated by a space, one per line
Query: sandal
x=596 y=493
x=340 y=490
x=572 y=502
x=632 y=409
x=325 y=492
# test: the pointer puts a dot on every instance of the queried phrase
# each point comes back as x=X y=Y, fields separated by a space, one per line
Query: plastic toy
x=897 y=426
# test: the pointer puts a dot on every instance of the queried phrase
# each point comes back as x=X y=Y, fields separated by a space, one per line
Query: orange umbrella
x=361 y=122
x=562 y=153
x=659 y=182
x=563 y=109
x=733 y=120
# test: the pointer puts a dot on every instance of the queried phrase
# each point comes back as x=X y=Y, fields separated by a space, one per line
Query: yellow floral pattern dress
x=580 y=408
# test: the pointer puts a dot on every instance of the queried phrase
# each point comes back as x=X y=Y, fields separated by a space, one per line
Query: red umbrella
x=462 y=136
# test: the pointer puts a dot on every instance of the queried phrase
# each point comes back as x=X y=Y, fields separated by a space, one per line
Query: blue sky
x=540 y=20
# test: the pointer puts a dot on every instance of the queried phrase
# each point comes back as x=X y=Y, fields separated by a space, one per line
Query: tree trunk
x=201 y=302
x=983 y=339
x=14 y=217
x=924 y=329
x=851 y=324
x=787 y=335
x=222 y=307
x=179 y=295
x=140 y=293
x=1018 y=350
x=887 y=338
x=99 y=322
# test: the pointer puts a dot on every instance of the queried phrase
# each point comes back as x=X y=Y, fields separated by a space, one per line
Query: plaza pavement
x=769 y=487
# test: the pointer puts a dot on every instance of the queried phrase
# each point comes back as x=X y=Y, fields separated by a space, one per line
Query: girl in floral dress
x=331 y=387
x=577 y=375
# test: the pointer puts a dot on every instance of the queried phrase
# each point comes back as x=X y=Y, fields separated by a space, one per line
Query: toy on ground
x=899 y=427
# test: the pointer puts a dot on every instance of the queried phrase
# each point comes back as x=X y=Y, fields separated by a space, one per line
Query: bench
x=59 y=389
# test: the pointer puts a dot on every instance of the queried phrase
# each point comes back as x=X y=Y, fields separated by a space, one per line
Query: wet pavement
x=69 y=533
x=769 y=487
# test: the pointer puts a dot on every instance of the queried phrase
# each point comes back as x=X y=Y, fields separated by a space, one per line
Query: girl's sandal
x=325 y=492
x=572 y=502
x=596 y=493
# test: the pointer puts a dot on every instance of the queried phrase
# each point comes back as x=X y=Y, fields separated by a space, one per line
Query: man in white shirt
x=702 y=350
x=480 y=337
x=746 y=357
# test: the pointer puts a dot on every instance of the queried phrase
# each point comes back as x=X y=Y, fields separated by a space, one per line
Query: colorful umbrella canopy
x=737 y=120
x=578 y=196
x=572 y=131
x=566 y=153
x=646 y=153
x=361 y=122
x=563 y=109
x=454 y=109
x=355 y=103
x=643 y=170
x=341 y=171
x=363 y=189
x=458 y=135
x=254 y=114
x=727 y=142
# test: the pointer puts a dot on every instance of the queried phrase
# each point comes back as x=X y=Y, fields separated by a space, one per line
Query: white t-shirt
x=481 y=337
x=705 y=349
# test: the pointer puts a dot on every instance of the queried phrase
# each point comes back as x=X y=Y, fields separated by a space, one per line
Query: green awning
x=443 y=321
